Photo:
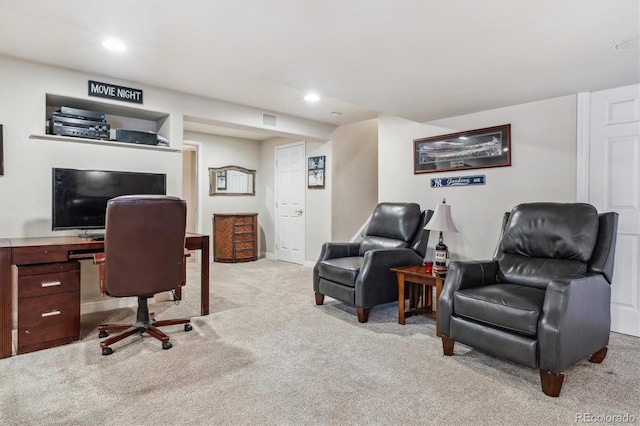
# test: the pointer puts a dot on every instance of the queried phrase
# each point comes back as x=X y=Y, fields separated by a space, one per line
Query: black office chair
x=544 y=300
x=144 y=254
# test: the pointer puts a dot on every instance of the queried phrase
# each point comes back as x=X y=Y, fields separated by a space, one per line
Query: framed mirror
x=232 y=180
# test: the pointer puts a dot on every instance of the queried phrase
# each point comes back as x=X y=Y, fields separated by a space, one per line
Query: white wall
x=219 y=151
x=355 y=177
x=543 y=158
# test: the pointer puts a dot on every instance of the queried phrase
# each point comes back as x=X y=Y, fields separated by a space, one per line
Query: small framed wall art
x=316 y=171
x=473 y=149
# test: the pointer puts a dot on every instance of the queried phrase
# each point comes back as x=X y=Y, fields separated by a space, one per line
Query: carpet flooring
x=267 y=355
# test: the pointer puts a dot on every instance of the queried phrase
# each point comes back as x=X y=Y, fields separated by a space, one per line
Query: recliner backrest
x=546 y=241
x=144 y=244
x=605 y=250
x=421 y=239
x=392 y=225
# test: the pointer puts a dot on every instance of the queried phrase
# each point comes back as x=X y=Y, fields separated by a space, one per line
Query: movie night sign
x=111 y=91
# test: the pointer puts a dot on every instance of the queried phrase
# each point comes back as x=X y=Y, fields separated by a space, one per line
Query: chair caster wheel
x=166 y=345
x=102 y=334
x=188 y=327
x=107 y=351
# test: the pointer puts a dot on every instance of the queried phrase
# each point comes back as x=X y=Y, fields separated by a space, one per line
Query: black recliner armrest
x=575 y=321
x=335 y=250
x=376 y=283
x=461 y=275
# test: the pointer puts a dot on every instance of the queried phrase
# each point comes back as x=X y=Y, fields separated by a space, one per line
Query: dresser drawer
x=243 y=236
x=244 y=219
x=43 y=280
x=48 y=318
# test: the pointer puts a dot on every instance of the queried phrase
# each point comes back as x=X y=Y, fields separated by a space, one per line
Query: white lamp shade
x=441 y=220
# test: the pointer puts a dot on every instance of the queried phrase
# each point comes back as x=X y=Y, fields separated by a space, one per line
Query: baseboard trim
x=108 y=304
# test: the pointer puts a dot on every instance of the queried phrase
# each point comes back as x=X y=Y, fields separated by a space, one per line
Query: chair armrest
x=376 y=283
x=335 y=250
x=575 y=321
x=100 y=260
x=461 y=275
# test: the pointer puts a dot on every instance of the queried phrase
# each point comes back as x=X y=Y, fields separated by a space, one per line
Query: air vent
x=269 y=120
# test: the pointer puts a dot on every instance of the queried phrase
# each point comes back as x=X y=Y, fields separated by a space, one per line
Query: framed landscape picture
x=473 y=149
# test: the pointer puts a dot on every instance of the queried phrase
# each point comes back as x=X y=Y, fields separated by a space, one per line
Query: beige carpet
x=268 y=356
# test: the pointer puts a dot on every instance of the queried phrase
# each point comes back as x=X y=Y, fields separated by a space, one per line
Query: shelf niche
x=118 y=117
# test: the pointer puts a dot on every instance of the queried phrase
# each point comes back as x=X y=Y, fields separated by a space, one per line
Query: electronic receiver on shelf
x=134 y=136
x=79 y=123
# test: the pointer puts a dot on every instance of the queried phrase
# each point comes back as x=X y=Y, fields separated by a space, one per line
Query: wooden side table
x=415 y=275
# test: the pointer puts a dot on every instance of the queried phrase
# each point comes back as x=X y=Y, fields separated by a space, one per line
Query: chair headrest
x=553 y=230
x=397 y=221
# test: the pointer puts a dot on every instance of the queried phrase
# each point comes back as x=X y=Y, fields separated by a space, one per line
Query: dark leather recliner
x=144 y=254
x=544 y=299
x=357 y=273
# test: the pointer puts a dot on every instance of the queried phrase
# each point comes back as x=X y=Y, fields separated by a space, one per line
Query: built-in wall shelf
x=100 y=142
x=116 y=115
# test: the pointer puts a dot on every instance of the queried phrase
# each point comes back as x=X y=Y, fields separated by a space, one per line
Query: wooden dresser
x=235 y=237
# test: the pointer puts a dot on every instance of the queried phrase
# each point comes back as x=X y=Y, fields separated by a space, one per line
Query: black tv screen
x=79 y=199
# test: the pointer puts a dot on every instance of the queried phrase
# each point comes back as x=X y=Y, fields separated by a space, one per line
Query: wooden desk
x=416 y=274
x=31 y=251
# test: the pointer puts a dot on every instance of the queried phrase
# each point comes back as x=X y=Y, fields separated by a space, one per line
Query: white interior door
x=614 y=185
x=290 y=202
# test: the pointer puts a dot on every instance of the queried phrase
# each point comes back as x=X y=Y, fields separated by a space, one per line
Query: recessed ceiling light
x=627 y=45
x=312 y=97
x=114 y=44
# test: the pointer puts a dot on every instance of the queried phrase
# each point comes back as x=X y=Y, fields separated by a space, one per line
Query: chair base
x=142 y=325
x=551 y=383
x=363 y=313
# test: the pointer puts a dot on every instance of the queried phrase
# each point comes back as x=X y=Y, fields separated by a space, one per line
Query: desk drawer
x=30 y=255
x=48 y=318
x=43 y=280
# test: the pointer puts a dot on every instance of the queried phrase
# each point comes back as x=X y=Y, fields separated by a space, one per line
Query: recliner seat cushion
x=343 y=270
x=507 y=306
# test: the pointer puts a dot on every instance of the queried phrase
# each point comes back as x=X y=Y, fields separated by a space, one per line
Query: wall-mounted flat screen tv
x=79 y=198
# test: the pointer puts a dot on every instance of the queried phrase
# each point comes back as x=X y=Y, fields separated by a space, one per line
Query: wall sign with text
x=457 y=181
x=111 y=91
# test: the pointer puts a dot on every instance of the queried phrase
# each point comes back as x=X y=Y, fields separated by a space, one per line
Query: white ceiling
x=420 y=60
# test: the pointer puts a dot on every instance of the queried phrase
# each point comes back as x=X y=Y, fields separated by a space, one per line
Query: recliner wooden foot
x=447 y=345
x=598 y=357
x=363 y=314
x=551 y=383
x=319 y=298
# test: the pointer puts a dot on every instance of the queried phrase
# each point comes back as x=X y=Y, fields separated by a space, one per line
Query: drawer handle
x=50 y=314
x=51 y=284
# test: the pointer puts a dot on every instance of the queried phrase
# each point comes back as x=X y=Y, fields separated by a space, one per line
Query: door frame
x=200 y=182
x=275 y=193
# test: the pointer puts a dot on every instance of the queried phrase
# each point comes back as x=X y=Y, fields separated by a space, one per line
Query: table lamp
x=441 y=221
